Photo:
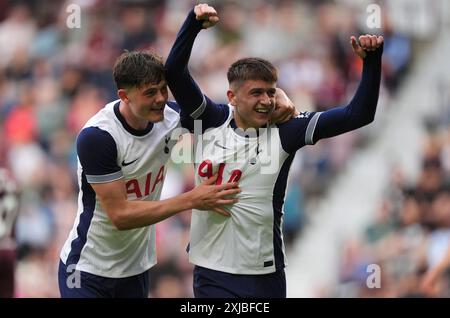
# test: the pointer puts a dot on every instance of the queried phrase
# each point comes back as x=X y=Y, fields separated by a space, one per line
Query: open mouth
x=262 y=110
x=157 y=109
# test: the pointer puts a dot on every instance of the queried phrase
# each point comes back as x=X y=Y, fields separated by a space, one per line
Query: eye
x=150 y=93
x=271 y=93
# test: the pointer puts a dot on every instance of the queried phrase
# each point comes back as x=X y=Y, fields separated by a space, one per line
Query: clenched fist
x=207 y=14
x=365 y=43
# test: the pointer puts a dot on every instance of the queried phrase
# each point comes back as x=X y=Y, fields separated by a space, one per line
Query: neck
x=242 y=124
x=133 y=121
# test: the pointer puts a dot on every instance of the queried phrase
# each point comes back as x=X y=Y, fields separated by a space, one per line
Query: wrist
x=197 y=24
x=187 y=200
x=370 y=55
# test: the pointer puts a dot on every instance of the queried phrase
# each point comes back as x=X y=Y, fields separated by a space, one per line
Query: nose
x=266 y=100
x=160 y=97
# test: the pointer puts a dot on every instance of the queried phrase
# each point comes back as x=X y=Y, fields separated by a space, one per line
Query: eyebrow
x=150 y=90
x=155 y=88
x=259 y=90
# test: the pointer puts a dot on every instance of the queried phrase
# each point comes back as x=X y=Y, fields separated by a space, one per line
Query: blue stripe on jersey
x=88 y=200
x=279 y=192
x=174 y=106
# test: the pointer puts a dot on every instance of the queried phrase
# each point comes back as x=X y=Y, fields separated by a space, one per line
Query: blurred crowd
x=53 y=78
x=411 y=231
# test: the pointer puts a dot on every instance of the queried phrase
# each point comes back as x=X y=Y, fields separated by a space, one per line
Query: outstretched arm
x=361 y=110
x=126 y=214
x=103 y=177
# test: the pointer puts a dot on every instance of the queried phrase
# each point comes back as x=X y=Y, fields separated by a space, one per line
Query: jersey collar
x=131 y=130
x=238 y=131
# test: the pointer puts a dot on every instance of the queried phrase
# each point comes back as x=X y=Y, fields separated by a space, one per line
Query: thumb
x=354 y=43
x=357 y=48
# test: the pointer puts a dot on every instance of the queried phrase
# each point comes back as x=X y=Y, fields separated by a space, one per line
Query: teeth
x=262 y=110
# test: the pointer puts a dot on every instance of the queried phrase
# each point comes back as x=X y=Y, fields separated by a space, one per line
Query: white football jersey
x=94 y=244
x=250 y=241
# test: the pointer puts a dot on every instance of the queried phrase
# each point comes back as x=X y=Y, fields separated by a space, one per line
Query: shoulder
x=105 y=118
x=298 y=131
x=97 y=153
x=94 y=138
x=301 y=119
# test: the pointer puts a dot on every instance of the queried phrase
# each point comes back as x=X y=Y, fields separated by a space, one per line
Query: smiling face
x=145 y=104
x=254 y=100
x=252 y=91
x=142 y=88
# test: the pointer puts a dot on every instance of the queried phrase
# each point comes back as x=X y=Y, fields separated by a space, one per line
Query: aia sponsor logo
x=141 y=189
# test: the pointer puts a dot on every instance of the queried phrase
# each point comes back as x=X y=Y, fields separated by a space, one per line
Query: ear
x=123 y=95
x=231 y=97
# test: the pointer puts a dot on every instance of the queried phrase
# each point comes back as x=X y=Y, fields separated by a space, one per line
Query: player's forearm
x=183 y=87
x=363 y=106
x=361 y=110
x=136 y=214
x=181 y=50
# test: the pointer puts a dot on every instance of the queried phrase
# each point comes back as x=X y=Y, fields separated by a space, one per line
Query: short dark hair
x=138 y=68
x=252 y=68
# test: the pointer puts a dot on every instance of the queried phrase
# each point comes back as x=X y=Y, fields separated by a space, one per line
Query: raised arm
x=361 y=109
x=308 y=128
x=186 y=92
x=193 y=104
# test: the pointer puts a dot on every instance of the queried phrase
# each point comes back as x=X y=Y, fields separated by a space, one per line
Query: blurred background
x=379 y=195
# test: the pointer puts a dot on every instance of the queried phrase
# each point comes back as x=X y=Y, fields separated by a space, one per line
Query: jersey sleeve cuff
x=310 y=129
x=105 y=178
x=199 y=111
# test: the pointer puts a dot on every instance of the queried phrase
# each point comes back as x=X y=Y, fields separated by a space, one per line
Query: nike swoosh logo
x=216 y=143
x=124 y=164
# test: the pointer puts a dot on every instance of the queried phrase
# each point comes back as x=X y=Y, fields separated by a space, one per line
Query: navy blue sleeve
x=308 y=128
x=194 y=105
x=361 y=109
x=297 y=132
x=97 y=152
